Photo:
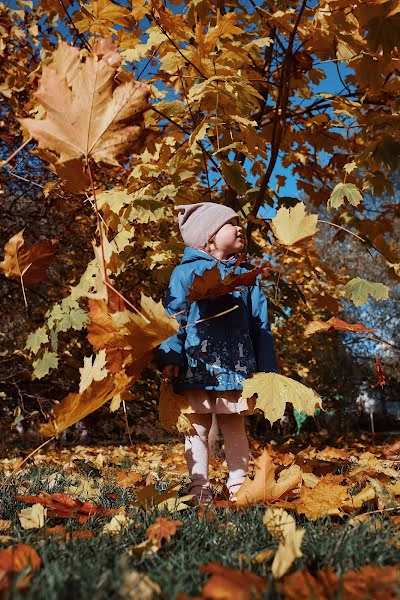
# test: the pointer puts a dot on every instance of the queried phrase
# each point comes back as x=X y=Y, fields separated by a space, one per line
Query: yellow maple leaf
x=282 y=526
x=87 y=114
x=274 y=391
x=292 y=225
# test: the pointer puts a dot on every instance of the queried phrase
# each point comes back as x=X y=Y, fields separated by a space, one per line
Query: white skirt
x=225 y=402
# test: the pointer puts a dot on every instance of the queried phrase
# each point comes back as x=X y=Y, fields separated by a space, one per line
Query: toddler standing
x=208 y=360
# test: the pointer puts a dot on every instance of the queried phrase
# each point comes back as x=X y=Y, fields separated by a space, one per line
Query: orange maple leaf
x=228 y=583
x=14 y=560
x=162 y=529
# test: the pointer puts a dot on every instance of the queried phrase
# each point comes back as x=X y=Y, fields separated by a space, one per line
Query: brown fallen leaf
x=14 y=560
x=373 y=582
x=62 y=506
x=264 y=488
x=162 y=529
x=226 y=583
x=325 y=498
x=28 y=263
x=60 y=532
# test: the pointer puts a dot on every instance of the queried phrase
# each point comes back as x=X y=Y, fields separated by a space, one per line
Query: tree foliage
x=133 y=108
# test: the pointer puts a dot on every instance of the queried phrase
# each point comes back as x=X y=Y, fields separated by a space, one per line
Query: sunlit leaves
x=358 y=291
x=292 y=225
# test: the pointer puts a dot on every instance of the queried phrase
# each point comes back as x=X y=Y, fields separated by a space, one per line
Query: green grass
x=93 y=568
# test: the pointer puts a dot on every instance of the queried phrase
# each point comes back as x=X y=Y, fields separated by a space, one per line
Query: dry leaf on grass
x=282 y=526
x=138 y=586
x=62 y=506
x=373 y=582
x=264 y=488
x=117 y=524
x=226 y=583
x=33 y=517
x=162 y=529
x=14 y=560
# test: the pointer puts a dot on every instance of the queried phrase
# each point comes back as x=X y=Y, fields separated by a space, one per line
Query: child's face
x=228 y=239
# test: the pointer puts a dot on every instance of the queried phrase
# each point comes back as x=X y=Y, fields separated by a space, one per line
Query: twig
x=213 y=316
x=15 y=153
x=25 y=460
x=126 y=422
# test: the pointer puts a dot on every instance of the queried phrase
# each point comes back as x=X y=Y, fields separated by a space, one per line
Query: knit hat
x=199 y=222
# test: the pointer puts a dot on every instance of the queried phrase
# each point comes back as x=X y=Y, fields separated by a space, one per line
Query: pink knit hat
x=199 y=222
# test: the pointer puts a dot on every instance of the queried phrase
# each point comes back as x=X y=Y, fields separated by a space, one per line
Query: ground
x=122 y=526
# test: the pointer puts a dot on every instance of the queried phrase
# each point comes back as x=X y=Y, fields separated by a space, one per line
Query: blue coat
x=219 y=353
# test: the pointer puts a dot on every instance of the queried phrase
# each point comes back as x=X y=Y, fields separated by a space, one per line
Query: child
x=208 y=359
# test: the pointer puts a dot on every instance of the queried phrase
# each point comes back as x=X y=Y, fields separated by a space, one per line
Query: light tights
x=236 y=450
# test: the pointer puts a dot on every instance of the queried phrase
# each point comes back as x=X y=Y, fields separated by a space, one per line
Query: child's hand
x=170 y=371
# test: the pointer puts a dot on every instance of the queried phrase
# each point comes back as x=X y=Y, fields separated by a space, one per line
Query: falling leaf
x=282 y=526
x=14 y=560
x=335 y=324
x=173 y=409
x=33 y=517
x=95 y=371
x=292 y=225
x=380 y=375
x=28 y=262
x=211 y=284
x=87 y=113
x=341 y=191
x=75 y=407
x=358 y=291
x=274 y=391
x=162 y=529
x=264 y=488
x=227 y=583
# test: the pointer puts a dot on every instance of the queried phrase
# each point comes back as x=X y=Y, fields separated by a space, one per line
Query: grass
x=94 y=568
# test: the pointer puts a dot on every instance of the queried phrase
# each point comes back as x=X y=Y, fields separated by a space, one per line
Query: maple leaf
x=264 y=488
x=100 y=17
x=274 y=391
x=228 y=583
x=358 y=291
x=326 y=498
x=335 y=324
x=210 y=283
x=28 y=263
x=14 y=560
x=129 y=337
x=292 y=225
x=75 y=406
x=95 y=371
x=162 y=529
x=87 y=115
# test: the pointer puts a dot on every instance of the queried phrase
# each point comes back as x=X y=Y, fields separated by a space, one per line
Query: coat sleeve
x=172 y=350
x=261 y=332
